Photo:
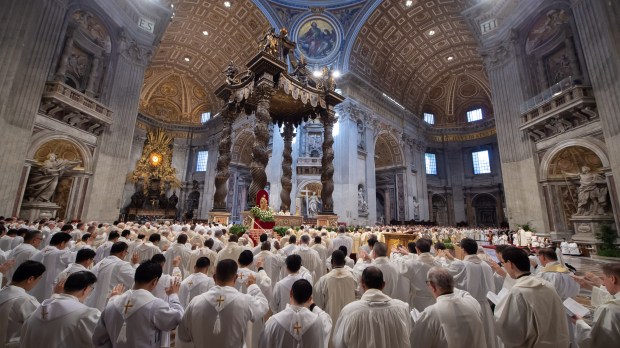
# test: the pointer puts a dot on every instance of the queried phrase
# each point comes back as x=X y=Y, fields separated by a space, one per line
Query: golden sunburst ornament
x=155 y=159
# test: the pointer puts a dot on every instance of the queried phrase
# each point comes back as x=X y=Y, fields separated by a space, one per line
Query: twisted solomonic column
x=287 y=172
x=327 y=162
x=223 y=160
x=260 y=155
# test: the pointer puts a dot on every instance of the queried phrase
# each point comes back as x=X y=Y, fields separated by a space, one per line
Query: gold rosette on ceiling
x=155 y=164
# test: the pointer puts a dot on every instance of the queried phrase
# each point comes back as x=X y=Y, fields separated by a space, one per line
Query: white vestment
x=103 y=251
x=375 y=321
x=194 y=285
x=272 y=263
x=60 y=321
x=334 y=291
x=311 y=260
x=110 y=272
x=181 y=250
x=454 y=321
x=21 y=253
x=204 y=252
x=415 y=271
x=72 y=268
x=297 y=327
x=230 y=252
x=282 y=289
x=395 y=286
x=343 y=239
x=143 y=316
x=55 y=261
x=15 y=308
x=146 y=251
x=476 y=277
x=219 y=317
x=532 y=315
x=605 y=330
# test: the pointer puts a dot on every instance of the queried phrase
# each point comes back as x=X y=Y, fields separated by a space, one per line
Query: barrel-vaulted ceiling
x=410 y=52
x=202 y=37
x=406 y=50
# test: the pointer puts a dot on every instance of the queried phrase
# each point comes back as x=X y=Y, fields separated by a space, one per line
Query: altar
x=393 y=240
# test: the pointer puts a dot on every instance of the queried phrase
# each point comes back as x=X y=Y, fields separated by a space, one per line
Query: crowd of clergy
x=175 y=285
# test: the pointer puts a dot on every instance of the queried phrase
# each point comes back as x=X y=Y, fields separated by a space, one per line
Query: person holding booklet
x=531 y=314
x=605 y=330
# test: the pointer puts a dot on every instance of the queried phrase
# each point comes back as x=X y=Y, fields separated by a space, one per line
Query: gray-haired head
x=380 y=249
x=441 y=278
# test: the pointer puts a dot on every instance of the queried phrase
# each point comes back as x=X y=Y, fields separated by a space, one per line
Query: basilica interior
x=481 y=113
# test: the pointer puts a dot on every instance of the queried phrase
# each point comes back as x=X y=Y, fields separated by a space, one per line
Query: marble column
x=104 y=199
x=29 y=33
x=260 y=154
x=287 y=172
x=327 y=176
x=223 y=161
x=94 y=74
x=386 y=207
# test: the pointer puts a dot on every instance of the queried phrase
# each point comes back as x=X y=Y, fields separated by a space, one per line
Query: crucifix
x=220 y=300
x=127 y=306
x=43 y=313
x=297 y=327
x=241 y=276
x=307 y=193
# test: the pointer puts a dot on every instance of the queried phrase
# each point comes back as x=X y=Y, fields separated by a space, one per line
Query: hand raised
x=175 y=285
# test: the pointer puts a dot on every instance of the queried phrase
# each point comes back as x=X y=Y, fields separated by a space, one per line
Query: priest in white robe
x=196 y=283
x=415 y=271
x=16 y=305
x=26 y=250
x=605 y=330
x=272 y=263
x=63 y=321
x=179 y=249
x=148 y=249
x=83 y=262
x=136 y=319
x=208 y=252
x=310 y=258
x=301 y=324
x=336 y=289
x=231 y=251
x=374 y=321
x=56 y=257
x=103 y=250
x=219 y=317
x=111 y=271
x=454 y=321
x=532 y=314
x=476 y=277
x=282 y=289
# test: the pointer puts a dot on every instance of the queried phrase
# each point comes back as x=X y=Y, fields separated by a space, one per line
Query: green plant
x=527 y=227
x=237 y=229
x=449 y=245
x=608 y=252
x=608 y=236
x=262 y=215
x=281 y=230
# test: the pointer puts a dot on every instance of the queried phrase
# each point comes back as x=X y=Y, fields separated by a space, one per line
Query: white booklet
x=495 y=298
x=415 y=315
x=574 y=308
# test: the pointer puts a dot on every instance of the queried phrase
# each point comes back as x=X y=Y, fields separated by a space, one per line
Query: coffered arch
x=415 y=46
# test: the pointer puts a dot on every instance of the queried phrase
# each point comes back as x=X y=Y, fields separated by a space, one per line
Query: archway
x=240 y=178
x=485 y=209
x=440 y=210
x=390 y=178
x=560 y=170
x=309 y=199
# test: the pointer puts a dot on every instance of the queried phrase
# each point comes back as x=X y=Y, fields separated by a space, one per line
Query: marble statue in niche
x=362 y=205
x=361 y=144
x=314 y=203
x=591 y=193
x=44 y=177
